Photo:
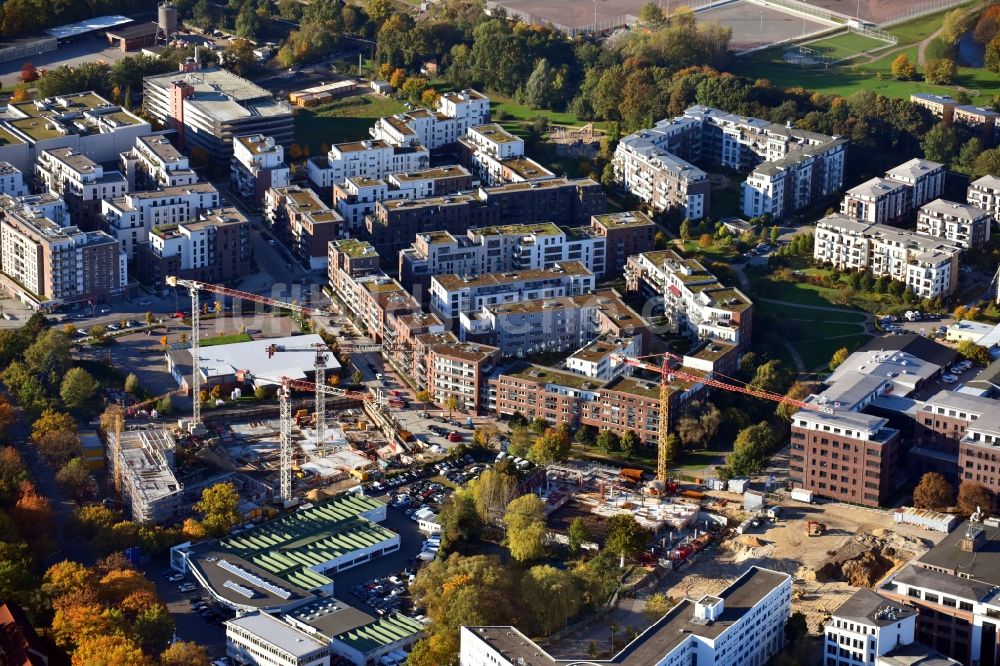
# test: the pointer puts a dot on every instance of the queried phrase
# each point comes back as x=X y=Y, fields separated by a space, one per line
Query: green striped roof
x=287 y=546
x=384 y=631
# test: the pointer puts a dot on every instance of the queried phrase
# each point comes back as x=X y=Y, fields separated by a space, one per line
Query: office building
x=940 y=106
x=208 y=108
x=258 y=165
x=953 y=588
x=11 y=181
x=80 y=181
x=964 y=225
x=939 y=427
x=373 y=159
x=84 y=121
x=144 y=462
x=743 y=624
x=790 y=168
x=627 y=233
x=927 y=265
x=560 y=201
x=58 y=265
x=158 y=164
x=131 y=217
x=456 y=112
x=264 y=640
x=694 y=301
x=896 y=197
x=984 y=193
x=304 y=222
x=454 y=294
x=214 y=247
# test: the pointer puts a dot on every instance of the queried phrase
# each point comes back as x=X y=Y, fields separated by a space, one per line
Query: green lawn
x=226 y=339
x=517 y=111
x=699 y=459
x=343 y=120
x=792 y=312
x=845 y=45
x=817 y=354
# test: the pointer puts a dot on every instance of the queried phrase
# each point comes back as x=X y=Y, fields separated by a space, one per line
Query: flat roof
x=88 y=25
x=873 y=609
x=384 y=631
x=495 y=133
x=562 y=269
x=354 y=248
x=983 y=567
x=329 y=616
x=279 y=634
x=915 y=654
x=628 y=218
x=544 y=375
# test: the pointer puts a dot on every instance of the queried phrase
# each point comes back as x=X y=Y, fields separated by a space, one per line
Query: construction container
x=715 y=484
x=737 y=485
x=802 y=495
x=753 y=501
x=929 y=520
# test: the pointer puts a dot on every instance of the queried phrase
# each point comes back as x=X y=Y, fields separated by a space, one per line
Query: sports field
x=844 y=45
x=754 y=25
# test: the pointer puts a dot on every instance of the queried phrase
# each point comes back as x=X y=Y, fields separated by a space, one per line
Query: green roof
x=355 y=248
x=381 y=632
x=288 y=546
x=544 y=375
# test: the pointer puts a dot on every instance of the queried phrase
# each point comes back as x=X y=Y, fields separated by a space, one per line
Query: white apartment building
x=453 y=294
x=741 y=626
x=984 y=193
x=159 y=163
x=964 y=225
x=694 y=300
x=258 y=164
x=374 y=159
x=80 y=181
x=596 y=358
x=144 y=461
x=11 y=180
x=865 y=627
x=903 y=190
x=496 y=157
x=456 y=112
x=47 y=205
x=131 y=217
x=263 y=640
x=786 y=184
x=492 y=139
x=928 y=266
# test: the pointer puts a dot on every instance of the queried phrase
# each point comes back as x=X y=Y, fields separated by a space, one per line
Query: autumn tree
x=54 y=434
x=971 y=496
x=933 y=492
x=132 y=384
x=525 y=523
x=955 y=24
x=551 y=595
x=941 y=71
x=493 y=491
x=109 y=650
x=193 y=530
x=183 y=653
x=705 y=241
x=75 y=478
x=902 y=69
x=12 y=473
x=75 y=624
x=552 y=446
x=657 y=605
x=28 y=73
x=218 y=505
x=65 y=577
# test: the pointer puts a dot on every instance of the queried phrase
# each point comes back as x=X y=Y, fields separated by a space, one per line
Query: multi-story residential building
x=964 y=225
x=258 y=165
x=872 y=630
x=940 y=106
x=596 y=359
x=373 y=159
x=47 y=205
x=694 y=300
x=939 y=425
x=978 y=117
x=953 y=588
x=208 y=108
x=627 y=233
x=131 y=217
x=11 y=181
x=356 y=196
x=215 y=247
x=527 y=327
x=456 y=112
x=892 y=199
x=461 y=369
x=300 y=217
x=80 y=181
x=84 y=121
x=743 y=624
x=144 y=461
x=984 y=193
x=978 y=458
x=790 y=168
x=158 y=164
x=496 y=156
x=557 y=200
x=927 y=265
x=845 y=455
x=453 y=294
x=56 y=265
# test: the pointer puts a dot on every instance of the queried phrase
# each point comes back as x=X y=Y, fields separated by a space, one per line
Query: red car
x=454 y=437
x=179 y=315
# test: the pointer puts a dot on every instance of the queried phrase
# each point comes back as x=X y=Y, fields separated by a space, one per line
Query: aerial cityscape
x=500 y=333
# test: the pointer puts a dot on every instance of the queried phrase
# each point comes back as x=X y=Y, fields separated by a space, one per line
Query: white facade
x=903 y=190
x=130 y=218
x=258 y=164
x=859 y=638
x=985 y=193
x=11 y=181
x=263 y=640
x=160 y=162
x=456 y=112
x=595 y=359
x=68 y=172
x=373 y=159
x=927 y=265
x=962 y=224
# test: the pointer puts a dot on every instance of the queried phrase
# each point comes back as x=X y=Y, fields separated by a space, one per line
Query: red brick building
x=627 y=233
x=939 y=424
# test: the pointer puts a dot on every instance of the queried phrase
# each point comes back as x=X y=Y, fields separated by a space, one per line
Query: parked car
x=949 y=379
x=454 y=437
x=176 y=578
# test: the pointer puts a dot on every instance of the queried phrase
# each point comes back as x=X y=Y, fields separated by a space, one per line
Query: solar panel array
x=239 y=589
x=254 y=579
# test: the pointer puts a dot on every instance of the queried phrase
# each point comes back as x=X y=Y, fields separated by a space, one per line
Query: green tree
x=379 y=10
x=98 y=332
x=551 y=595
x=577 y=534
x=184 y=653
x=838 y=358
x=493 y=491
x=78 y=388
x=751 y=449
x=153 y=629
x=940 y=144
x=218 y=505
x=987 y=163
x=460 y=523
x=451 y=403
x=538 y=91
x=624 y=536
x=132 y=384
x=686 y=230
x=630 y=442
x=955 y=24
x=608 y=441
x=975 y=353
x=775 y=233
x=657 y=605
x=933 y=492
x=525 y=523
x=941 y=71
x=75 y=478
x=651 y=15
x=992 y=57
x=586 y=435
x=673 y=446
x=795 y=627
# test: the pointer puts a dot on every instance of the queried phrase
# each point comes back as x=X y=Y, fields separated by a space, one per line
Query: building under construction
x=143 y=461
